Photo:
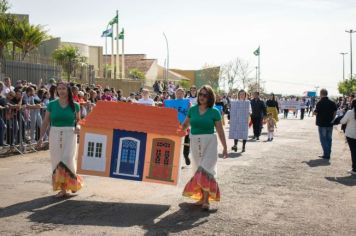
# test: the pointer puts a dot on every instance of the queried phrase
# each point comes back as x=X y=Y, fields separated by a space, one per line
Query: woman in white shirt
x=146 y=100
x=350 y=120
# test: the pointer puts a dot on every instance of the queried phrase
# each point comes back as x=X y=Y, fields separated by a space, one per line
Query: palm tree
x=5 y=36
x=68 y=57
x=28 y=37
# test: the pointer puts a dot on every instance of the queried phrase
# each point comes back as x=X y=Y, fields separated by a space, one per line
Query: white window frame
x=94 y=163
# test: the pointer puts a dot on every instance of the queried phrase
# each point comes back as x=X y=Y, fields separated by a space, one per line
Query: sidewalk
x=275 y=188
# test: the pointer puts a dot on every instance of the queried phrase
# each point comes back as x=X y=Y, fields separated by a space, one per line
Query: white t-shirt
x=350 y=120
x=147 y=102
x=6 y=90
x=193 y=100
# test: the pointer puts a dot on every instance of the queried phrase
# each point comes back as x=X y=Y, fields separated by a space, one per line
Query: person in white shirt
x=7 y=86
x=146 y=100
x=350 y=120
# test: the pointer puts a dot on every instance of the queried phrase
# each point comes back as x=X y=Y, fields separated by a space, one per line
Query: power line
x=300 y=83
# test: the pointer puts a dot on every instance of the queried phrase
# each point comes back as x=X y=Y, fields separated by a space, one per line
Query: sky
x=300 y=40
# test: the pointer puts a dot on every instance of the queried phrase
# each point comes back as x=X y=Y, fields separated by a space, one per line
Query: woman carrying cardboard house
x=62 y=115
x=203 y=119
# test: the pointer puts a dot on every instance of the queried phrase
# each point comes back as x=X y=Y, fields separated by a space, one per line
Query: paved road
x=278 y=188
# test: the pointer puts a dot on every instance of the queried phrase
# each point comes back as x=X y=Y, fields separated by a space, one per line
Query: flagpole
x=259 y=67
x=117 y=47
x=123 y=58
x=106 y=55
x=112 y=53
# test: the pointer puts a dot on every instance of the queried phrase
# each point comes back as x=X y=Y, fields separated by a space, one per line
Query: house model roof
x=133 y=117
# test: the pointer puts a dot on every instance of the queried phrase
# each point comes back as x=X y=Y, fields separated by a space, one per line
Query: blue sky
x=300 y=39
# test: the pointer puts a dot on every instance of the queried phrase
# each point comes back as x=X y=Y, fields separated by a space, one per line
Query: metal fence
x=20 y=129
x=18 y=70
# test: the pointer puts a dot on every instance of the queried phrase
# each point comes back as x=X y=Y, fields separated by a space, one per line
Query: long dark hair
x=52 y=92
x=70 y=95
x=353 y=106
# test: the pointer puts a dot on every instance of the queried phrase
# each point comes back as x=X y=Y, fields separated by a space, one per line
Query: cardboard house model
x=130 y=141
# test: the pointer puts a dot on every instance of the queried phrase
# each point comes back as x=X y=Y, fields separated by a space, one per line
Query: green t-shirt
x=62 y=117
x=205 y=123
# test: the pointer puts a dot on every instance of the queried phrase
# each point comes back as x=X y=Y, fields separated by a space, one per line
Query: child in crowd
x=271 y=124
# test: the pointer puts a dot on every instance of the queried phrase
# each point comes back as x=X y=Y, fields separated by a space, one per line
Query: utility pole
x=343 y=64
x=350 y=32
x=167 y=68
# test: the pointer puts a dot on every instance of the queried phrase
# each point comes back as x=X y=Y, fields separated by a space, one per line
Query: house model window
x=98 y=150
x=90 y=152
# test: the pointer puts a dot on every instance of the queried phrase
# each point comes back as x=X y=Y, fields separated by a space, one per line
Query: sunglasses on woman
x=205 y=95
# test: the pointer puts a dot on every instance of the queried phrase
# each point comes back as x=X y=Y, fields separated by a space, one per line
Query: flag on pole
x=114 y=20
x=257 y=52
x=107 y=33
x=121 y=35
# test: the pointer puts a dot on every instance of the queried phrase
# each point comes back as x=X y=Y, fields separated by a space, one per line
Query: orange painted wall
x=176 y=158
x=109 y=138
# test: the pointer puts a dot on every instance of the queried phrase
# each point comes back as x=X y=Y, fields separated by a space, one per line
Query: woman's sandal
x=62 y=195
x=206 y=206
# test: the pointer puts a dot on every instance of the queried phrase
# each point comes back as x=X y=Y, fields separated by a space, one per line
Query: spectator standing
x=325 y=112
x=258 y=113
x=350 y=121
x=146 y=100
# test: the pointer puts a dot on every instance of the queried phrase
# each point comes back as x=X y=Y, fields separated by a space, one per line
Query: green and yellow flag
x=257 y=52
x=114 y=20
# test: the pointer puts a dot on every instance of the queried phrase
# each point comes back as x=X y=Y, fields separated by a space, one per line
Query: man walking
x=259 y=111
x=325 y=112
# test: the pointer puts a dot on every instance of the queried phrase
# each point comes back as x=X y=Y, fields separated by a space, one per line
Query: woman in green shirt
x=62 y=116
x=204 y=119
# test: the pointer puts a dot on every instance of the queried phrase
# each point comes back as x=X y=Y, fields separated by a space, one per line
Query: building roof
x=171 y=75
x=133 y=117
x=132 y=61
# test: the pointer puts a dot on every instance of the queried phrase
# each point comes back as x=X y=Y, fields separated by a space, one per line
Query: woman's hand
x=77 y=129
x=225 y=153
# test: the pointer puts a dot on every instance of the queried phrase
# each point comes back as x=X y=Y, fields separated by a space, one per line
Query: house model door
x=127 y=162
x=128 y=155
x=162 y=160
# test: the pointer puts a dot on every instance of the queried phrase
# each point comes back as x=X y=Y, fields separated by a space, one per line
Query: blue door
x=128 y=155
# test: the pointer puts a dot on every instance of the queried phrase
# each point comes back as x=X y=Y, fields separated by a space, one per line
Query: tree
x=184 y=84
x=5 y=36
x=236 y=74
x=210 y=74
x=136 y=74
x=4 y=6
x=68 y=57
x=253 y=87
x=347 y=86
x=28 y=37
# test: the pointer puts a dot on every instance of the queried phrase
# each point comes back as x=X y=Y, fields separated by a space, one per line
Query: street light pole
x=167 y=57
x=350 y=32
x=343 y=64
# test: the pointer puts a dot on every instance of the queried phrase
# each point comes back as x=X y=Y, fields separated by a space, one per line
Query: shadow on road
x=28 y=206
x=346 y=180
x=317 y=162
x=232 y=155
x=114 y=214
x=71 y=212
x=187 y=217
